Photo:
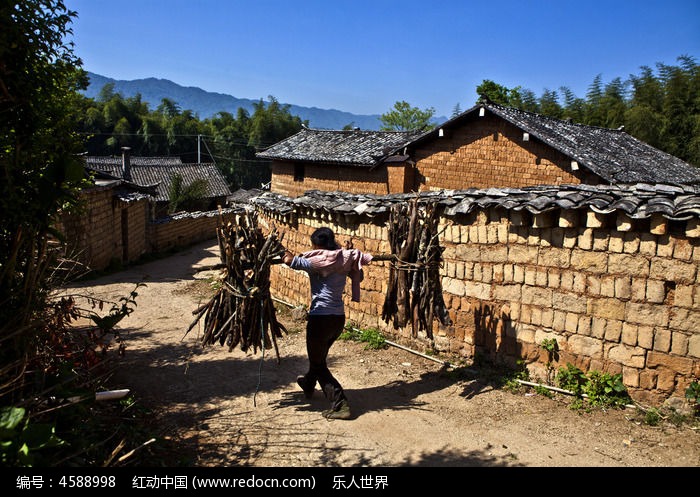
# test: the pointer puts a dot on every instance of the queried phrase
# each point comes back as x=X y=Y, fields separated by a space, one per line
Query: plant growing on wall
x=692 y=393
x=600 y=389
x=551 y=347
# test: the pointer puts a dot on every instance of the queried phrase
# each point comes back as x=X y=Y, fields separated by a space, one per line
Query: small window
x=298 y=172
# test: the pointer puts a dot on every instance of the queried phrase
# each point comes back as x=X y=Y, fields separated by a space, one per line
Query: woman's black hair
x=324 y=238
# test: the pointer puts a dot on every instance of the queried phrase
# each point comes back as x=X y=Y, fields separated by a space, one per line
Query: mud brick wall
x=618 y=295
x=185 y=229
x=492 y=153
x=353 y=179
x=292 y=286
x=113 y=229
x=94 y=235
x=135 y=215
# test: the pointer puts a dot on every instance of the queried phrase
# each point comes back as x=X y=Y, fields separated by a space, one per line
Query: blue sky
x=363 y=56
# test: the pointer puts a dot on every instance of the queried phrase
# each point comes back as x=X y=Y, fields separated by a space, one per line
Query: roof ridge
x=568 y=121
x=372 y=131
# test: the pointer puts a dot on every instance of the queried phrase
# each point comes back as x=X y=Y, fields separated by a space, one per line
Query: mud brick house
x=124 y=214
x=158 y=173
x=348 y=160
x=486 y=146
x=111 y=227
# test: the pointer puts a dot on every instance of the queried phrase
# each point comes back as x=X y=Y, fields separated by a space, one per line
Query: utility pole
x=199 y=149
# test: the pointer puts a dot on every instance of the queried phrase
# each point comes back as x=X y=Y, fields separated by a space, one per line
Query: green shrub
x=371 y=336
x=601 y=389
x=22 y=441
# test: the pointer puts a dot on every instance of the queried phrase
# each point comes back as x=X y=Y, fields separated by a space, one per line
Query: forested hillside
x=206 y=104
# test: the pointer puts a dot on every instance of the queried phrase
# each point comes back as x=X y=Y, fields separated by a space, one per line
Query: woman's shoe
x=342 y=411
x=305 y=386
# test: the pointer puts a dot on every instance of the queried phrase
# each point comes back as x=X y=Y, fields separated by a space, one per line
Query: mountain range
x=206 y=104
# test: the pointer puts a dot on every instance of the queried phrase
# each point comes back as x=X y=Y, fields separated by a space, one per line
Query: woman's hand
x=287 y=258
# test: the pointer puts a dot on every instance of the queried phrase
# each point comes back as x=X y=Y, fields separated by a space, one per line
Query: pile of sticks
x=414 y=293
x=242 y=312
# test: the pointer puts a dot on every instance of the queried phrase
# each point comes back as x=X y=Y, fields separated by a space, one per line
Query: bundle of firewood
x=414 y=293
x=242 y=312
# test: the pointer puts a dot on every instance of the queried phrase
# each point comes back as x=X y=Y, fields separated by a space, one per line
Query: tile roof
x=159 y=171
x=114 y=163
x=346 y=147
x=638 y=201
x=198 y=214
x=242 y=196
x=611 y=154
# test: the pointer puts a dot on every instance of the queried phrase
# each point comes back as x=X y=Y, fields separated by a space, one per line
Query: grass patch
x=372 y=337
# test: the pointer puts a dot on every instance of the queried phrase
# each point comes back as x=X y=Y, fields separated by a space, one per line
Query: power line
x=215 y=138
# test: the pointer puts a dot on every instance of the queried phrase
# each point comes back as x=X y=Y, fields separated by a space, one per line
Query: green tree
x=499 y=94
x=270 y=123
x=529 y=101
x=190 y=197
x=121 y=118
x=595 y=114
x=40 y=78
x=549 y=104
x=614 y=103
x=228 y=137
x=574 y=108
x=644 y=116
x=496 y=93
x=403 y=117
x=681 y=108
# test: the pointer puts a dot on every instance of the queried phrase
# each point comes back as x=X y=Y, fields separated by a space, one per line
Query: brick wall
x=185 y=229
x=618 y=295
x=492 y=153
x=326 y=177
x=400 y=177
x=112 y=230
x=95 y=235
x=135 y=215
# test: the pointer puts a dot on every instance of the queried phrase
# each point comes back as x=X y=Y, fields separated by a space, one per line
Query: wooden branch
x=242 y=314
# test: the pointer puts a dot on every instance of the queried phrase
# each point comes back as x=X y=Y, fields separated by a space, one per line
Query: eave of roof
x=638 y=201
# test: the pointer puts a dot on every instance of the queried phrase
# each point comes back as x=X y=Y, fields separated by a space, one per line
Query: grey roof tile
x=243 y=196
x=347 y=147
x=672 y=203
x=160 y=171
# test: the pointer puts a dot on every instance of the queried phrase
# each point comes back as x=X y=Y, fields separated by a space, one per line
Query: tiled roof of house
x=113 y=163
x=638 y=201
x=346 y=147
x=611 y=154
x=160 y=171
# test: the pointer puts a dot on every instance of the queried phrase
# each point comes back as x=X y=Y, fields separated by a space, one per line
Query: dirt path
x=229 y=408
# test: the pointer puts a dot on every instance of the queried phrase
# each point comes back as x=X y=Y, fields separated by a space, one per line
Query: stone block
x=589 y=262
x=651 y=314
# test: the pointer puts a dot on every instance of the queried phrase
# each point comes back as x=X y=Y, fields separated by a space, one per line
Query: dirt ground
x=230 y=408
